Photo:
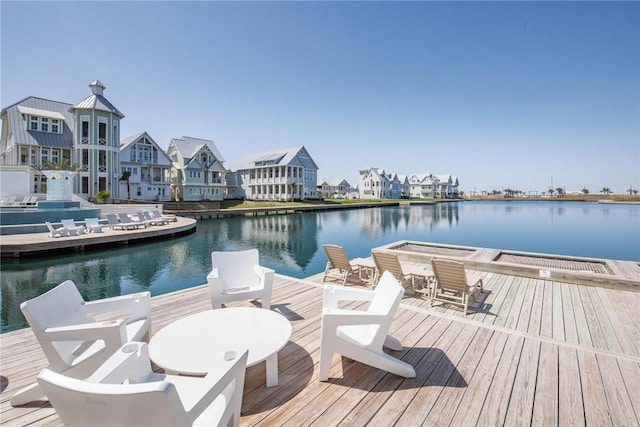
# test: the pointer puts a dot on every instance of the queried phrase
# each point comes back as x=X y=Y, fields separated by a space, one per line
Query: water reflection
x=292 y=244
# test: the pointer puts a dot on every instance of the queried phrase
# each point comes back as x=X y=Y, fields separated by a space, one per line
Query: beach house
x=145 y=169
x=37 y=131
x=197 y=169
x=284 y=174
x=338 y=187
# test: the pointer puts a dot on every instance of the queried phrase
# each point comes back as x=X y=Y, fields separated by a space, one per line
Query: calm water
x=292 y=244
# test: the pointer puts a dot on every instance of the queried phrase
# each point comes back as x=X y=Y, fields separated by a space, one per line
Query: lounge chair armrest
x=215 y=382
x=138 y=305
x=110 y=331
x=332 y=295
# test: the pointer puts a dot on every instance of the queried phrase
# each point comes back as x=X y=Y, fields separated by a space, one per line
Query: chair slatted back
x=386 y=261
x=337 y=257
x=450 y=275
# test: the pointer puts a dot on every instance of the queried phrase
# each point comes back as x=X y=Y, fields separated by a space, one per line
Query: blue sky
x=501 y=94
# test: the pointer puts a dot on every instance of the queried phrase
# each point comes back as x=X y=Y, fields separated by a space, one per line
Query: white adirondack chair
x=56 y=232
x=126 y=392
x=238 y=275
x=361 y=334
x=74 y=343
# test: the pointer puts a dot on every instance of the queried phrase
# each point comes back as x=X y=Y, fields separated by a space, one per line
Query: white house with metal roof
x=284 y=174
x=374 y=183
x=148 y=167
x=36 y=131
x=447 y=186
x=197 y=170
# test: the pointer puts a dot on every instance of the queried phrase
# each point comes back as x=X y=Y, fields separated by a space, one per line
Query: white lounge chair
x=114 y=222
x=93 y=225
x=55 y=232
x=238 y=275
x=361 y=334
x=126 y=392
x=152 y=218
x=24 y=201
x=71 y=228
x=140 y=218
x=74 y=343
x=169 y=217
x=128 y=223
x=9 y=201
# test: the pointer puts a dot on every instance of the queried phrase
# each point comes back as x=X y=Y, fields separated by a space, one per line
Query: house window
x=44 y=155
x=55 y=125
x=102 y=133
x=115 y=135
x=85 y=132
x=55 y=156
x=33 y=123
x=44 y=124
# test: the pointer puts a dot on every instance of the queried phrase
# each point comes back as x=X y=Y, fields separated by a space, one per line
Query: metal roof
x=282 y=157
x=97 y=102
x=18 y=126
x=189 y=147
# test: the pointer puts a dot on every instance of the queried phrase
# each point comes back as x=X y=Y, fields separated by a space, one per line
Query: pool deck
x=34 y=244
x=532 y=351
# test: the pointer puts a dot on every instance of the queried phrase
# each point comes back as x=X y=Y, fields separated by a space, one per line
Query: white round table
x=191 y=345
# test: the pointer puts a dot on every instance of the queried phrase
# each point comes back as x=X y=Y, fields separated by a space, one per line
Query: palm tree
x=585 y=191
x=631 y=190
x=63 y=165
x=605 y=190
x=125 y=177
x=551 y=191
x=560 y=191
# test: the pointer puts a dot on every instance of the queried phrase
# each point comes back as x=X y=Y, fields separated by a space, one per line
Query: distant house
x=336 y=187
x=285 y=174
x=38 y=131
x=422 y=186
x=374 y=184
x=447 y=187
x=197 y=171
x=148 y=166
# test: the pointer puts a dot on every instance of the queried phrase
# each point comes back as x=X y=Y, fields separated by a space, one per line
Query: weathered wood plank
x=520 y=408
x=593 y=391
x=571 y=407
x=545 y=404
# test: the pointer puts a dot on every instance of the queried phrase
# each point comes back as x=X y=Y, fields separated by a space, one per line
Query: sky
x=518 y=95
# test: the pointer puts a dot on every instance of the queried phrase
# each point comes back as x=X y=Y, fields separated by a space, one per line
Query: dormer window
x=37 y=119
x=44 y=124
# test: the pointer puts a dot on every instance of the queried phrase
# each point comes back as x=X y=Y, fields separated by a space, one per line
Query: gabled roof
x=443 y=178
x=189 y=147
x=130 y=140
x=281 y=157
x=19 y=130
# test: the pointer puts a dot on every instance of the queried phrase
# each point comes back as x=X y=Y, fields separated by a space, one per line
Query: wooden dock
x=37 y=244
x=533 y=352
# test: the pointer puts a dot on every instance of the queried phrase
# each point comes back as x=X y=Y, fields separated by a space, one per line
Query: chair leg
x=325 y=363
x=266 y=302
x=27 y=394
x=392 y=343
